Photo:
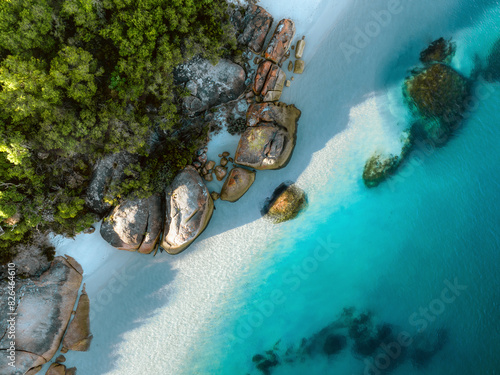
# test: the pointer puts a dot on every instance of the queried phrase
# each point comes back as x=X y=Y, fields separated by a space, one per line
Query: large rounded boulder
x=189 y=208
x=237 y=184
x=287 y=201
x=257 y=23
x=439 y=92
x=270 y=137
x=209 y=84
x=134 y=225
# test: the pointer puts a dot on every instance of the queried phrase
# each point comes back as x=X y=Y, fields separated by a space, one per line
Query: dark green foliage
x=76 y=80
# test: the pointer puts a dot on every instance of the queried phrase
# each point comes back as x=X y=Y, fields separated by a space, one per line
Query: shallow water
x=392 y=250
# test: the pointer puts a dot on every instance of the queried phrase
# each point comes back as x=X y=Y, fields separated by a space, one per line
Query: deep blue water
x=419 y=253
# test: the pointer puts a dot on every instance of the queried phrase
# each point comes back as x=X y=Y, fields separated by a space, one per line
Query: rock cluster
x=268 y=136
x=367 y=339
x=438 y=95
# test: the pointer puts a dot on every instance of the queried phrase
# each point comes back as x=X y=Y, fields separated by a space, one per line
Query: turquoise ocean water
x=420 y=252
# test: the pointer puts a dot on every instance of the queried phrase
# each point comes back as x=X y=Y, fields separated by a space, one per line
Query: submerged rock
x=209 y=84
x=285 y=204
x=43 y=314
x=270 y=137
x=426 y=345
x=134 y=225
x=257 y=23
x=492 y=70
x=237 y=184
x=378 y=168
x=280 y=41
x=78 y=336
x=220 y=172
x=439 y=92
x=334 y=344
x=299 y=50
x=440 y=50
x=189 y=208
x=229 y=115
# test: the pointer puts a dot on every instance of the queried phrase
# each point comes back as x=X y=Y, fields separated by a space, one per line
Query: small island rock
x=285 y=204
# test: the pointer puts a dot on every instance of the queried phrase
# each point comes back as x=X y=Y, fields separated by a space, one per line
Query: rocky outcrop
x=237 y=184
x=257 y=23
x=280 y=41
x=285 y=203
x=43 y=310
x=438 y=91
x=189 y=208
x=270 y=137
x=134 y=225
x=78 y=336
x=440 y=50
x=378 y=168
x=210 y=85
x=108 y=171
x=269 y=81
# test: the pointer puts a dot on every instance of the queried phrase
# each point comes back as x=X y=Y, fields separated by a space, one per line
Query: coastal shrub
x=78 y=80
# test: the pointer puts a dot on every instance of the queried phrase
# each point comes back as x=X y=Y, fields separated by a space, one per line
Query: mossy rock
x=378 y=168
x=439 y=92
x=440 y=50
x=286 y=203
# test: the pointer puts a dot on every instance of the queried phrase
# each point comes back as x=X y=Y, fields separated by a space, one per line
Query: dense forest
x=84 y=78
